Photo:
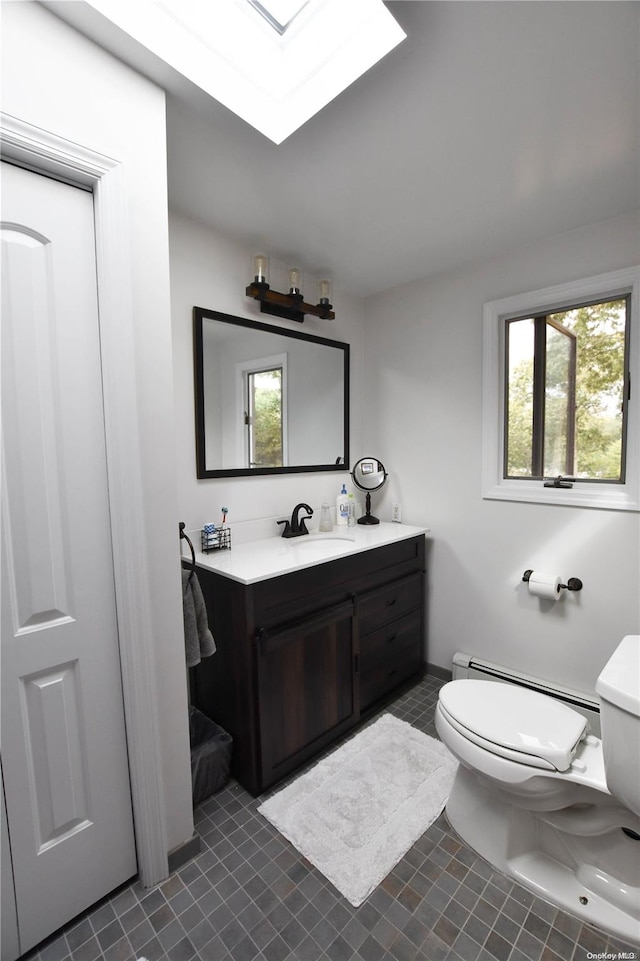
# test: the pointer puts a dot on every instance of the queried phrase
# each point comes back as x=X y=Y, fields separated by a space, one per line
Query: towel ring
x=185 y=537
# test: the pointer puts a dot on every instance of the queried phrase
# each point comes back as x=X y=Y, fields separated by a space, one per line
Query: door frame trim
x=43 y=151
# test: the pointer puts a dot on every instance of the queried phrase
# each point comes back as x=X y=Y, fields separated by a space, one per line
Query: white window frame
x=243 y=368
x=607 y=496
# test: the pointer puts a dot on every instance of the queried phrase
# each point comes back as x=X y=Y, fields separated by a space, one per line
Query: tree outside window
x=566 y=391
x=264 y=418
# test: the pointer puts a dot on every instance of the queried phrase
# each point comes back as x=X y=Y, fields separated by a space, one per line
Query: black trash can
x=211 y=749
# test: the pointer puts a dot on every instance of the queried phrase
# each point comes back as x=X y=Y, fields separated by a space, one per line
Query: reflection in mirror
x=369 y=475
x=268 y=400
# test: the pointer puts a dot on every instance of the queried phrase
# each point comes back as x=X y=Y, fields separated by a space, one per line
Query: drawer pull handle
x=391 y=639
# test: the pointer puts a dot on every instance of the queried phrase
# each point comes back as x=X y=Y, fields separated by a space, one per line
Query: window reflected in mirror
x=264 y=417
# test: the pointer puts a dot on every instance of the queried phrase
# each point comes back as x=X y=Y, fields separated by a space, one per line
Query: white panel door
x=64 y=754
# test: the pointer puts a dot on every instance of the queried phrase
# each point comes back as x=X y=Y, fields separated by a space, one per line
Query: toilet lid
x=515 y=721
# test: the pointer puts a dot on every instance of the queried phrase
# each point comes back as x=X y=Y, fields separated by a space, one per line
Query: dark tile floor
x=250 y=895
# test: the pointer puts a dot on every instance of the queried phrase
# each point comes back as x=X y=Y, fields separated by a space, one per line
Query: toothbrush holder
x=216 y=540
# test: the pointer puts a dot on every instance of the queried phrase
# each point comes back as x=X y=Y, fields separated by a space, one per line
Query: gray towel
x=198 y=638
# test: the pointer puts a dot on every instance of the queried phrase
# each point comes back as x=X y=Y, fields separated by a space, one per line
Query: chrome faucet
x=296 y=527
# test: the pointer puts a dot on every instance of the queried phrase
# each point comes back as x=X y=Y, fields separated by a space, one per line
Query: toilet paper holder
x=573 y=584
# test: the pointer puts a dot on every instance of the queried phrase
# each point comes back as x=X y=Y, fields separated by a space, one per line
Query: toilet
x=546 y=802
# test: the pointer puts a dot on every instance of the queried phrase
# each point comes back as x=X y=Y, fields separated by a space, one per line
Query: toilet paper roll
x=545 y=585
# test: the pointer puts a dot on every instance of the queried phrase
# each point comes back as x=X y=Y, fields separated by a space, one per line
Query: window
x=557 y=395
x=263 y=418
x=261 y=411
x=566 y=392
x=275 y=63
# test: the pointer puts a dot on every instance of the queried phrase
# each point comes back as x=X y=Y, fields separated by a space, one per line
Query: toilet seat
x=513 y=722
x=541 y=808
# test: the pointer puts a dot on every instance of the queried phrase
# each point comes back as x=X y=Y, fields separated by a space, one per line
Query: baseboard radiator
x=466 y=665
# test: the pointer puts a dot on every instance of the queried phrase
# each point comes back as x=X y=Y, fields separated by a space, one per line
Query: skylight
x=279 y=13
x=275 y=78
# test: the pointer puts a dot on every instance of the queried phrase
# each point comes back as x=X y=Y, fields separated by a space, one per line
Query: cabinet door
x=305 y=688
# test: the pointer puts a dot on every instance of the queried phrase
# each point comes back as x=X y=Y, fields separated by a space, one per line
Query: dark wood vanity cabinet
x=304 y=656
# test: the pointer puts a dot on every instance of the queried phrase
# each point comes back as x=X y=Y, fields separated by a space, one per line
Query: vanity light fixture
x=291 y=306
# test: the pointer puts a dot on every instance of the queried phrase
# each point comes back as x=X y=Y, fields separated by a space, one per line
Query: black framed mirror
x=268 y=400
x=369 y=475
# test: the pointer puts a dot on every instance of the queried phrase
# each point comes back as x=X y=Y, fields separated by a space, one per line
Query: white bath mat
x=358 y=811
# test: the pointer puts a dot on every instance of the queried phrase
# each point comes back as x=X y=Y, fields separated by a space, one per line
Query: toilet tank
x=619 y=689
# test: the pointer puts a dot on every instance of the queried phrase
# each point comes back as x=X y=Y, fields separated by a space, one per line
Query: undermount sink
x=322 y=544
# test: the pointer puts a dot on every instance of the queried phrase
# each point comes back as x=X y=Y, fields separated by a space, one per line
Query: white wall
x=212 y=271
x=56 y=79
x=423 y=397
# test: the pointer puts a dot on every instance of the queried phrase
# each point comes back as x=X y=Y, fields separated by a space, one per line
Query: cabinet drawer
x=388 y=643
x=388 y=675
x=281 y=599
x=390 y=602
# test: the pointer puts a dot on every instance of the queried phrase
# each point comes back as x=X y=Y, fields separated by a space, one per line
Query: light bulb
x=294 y=280
x=324 y=291
x=260 y=262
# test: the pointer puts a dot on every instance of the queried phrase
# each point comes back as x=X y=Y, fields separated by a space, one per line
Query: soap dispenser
x=342 y=507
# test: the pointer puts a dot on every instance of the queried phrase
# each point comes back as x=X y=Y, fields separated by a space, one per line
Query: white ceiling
x=492 y=125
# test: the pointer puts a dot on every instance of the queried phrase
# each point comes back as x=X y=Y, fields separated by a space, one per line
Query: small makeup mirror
x=369 y=474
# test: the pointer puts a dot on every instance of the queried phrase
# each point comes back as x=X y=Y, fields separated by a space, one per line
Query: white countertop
x=260 y=560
